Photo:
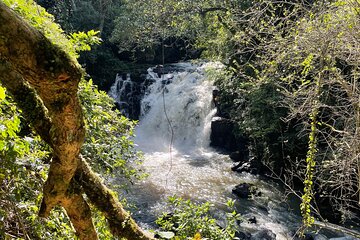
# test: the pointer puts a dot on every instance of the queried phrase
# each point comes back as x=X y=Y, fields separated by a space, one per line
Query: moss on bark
x=120 y=221
x=43 y=80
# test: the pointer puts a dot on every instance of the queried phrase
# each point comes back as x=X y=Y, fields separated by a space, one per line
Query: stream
x=173 y=133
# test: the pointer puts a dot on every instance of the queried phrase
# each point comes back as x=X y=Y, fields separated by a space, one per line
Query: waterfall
x=122 y=92
x=177 y=105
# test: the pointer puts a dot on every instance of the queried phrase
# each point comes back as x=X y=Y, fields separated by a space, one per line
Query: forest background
x=291 y=86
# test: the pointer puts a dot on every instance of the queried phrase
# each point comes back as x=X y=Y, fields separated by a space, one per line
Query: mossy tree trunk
x=43 y=81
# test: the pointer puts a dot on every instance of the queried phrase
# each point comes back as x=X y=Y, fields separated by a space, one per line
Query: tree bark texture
x=54 y=78
x=120 y=222
x=43 y=80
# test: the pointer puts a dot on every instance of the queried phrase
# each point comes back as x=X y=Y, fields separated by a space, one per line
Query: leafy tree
x=145 y=24
x=83 y=15
x=323 y=51
x=308 y=53
x=47 y=76
x=108 y=143
x=298 y=58
x=103 y=62
x=188 y=219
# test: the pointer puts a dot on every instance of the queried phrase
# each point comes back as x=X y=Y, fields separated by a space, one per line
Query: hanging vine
x=308 y=195
x=305 y=206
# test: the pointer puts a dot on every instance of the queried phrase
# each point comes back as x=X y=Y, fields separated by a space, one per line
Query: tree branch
x=337 y=228
x=54 y=77
x=212 y=9
x=120 y=221
x=43 y=80
x=27 y=100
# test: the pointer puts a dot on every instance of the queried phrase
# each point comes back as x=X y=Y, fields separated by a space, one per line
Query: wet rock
x=243 y=235
x=264 y=235
x=328 y=210
x=263 y=208
x=236 y=166
x=244 y=190
x=159 y=70
x=284 y=206
x=222 y=134
x=252 y=220
x=237 y=156
x=343 y=238
x=320 y=237
x=216 y=94
x=147 y=83
x=313 y=236
x=253 y=166
x=166 y=81
x=127 y=95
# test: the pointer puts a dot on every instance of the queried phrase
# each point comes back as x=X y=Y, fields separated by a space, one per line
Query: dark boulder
x=238 y=156
x=314 y=236
x=327 y=209
x=253 y=166
x=222 y=134
x=320 y=237
x=252 y=220
x=244 y=190
x=243 y=235
x=263 y=208
x=215 y=95
x=343 y=238
x=264 y=235
x=236 y=166
x=159 y=70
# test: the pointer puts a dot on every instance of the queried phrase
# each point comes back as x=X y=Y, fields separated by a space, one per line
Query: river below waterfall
x=173 y=133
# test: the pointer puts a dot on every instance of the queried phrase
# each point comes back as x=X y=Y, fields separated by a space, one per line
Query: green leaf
x=166 y=235
x=2 y=93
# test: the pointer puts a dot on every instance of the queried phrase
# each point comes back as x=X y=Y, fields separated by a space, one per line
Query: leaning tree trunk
x=43 y=81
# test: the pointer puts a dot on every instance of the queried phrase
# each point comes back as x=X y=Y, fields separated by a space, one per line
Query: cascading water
x=174 y=133
x=122 y=92
x=177 y=105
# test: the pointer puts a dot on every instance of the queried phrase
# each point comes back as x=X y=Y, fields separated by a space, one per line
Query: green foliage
x=82 y=41
x=275 y=52
x=318 y=67
x=144 y=24
x=2 y=93
x=75 y=15
x=24 y=157
x=39 y=18
x=102 y=229
x=305 y=206
x=43 y=21
x=318 y=52
x=188 y=220
x=24 y=168
x=11 y=146
x=280 y=51
x=102 y=62
x=108 y=144
x=83 y=15
x=22 y=175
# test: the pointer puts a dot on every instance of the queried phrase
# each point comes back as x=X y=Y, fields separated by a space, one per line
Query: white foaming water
x=191 y=169
x=177 y=105
x=121 y=90
x=117 y=90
